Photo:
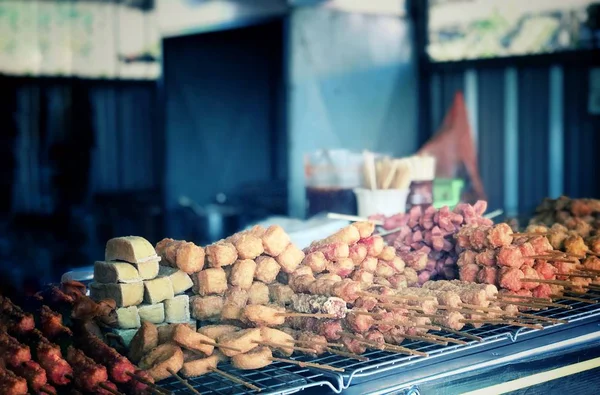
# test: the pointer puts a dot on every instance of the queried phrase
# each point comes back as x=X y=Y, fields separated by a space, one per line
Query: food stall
x=407 y=278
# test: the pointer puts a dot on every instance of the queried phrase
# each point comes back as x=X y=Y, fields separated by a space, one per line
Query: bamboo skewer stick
x=481 y=308
x=531 y=298
x=217 y=345
x=348 y=355
x=150 y=384
x=353 y=218
x=235 y=379
x=307 y=364
x=385 y=346
x=483 y=321
x=324 y=344
x=278 y=345
x=369 y=313
x=582 y=300
x=428 y=327
x=107 y=388
x=398 y=306
x=425 y=339
x=540 y=318
x=463 y=334
x=582 y=275
x=446 y=339
x=183 y=381
x=535 y=305
x=544 y=281
x=551 y=258
x=525 y=325
x=391 y=231
x=398 y=297
x=313 y=315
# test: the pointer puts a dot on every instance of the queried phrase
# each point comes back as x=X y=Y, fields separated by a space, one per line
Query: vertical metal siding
x=533 y=135
x=491 y=134
x=582 y=136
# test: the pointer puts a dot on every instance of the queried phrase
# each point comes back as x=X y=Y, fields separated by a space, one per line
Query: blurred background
x=192 y=118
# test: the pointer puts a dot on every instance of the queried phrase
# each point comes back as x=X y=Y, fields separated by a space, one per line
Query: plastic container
x=447 y=192
x=330 y=177
x=380 y=201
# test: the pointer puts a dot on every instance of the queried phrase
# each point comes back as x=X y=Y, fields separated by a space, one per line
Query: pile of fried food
x=41 y=354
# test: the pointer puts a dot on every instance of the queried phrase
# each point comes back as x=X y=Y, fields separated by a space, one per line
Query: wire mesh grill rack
x=277 y=378
x=281 y=378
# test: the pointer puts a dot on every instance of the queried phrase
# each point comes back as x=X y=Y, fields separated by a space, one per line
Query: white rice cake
x=148 y=270
x=154 y=313
x=180 y=280
x=177 y=309
x=124 y=295
x=115 y=272
x=128 y=317
x=157 y=290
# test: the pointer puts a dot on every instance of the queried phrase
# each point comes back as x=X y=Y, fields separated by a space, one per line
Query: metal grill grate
x=277 y=378
x=282 y=378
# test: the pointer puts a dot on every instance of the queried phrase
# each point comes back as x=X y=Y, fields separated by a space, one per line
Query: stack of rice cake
x=142 y=289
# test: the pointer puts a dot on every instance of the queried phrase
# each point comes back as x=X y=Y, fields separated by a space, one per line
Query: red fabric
x=452 y=145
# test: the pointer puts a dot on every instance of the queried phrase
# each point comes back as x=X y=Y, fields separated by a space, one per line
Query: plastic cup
x=381 y=201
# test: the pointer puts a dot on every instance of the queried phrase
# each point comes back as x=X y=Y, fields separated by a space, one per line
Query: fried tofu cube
x=115 y=272
x=177 y=309
x=128 y=317
x=165 y=331
x=190 y=257
x=248 y=246
x=275 y=240
x=242 y=273
x=188 y=338
x=124 y=295
x=290 y=258
x=211 y=281
x=157 y=290
x=206 y=307
x=154 y=313
x=267 y=269
x=180 y=280
x=143 y=342
x=221 y=254
x=258 y=293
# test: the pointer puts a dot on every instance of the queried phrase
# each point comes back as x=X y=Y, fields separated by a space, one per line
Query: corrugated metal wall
x=120 y=126
x=539 y=171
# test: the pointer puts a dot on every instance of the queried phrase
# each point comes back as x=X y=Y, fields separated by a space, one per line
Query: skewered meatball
x=486 y=258
x=542 y=291
x=487 y=275
x=527 y=250
x=540 y=244
x=466 y=257
x=510 y=256
x=469 y=272
x=545 y=270
x=510 y=278
x=500 y=235
x=574 y=244
x=529 y=272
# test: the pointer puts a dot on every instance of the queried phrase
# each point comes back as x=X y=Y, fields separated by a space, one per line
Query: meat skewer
x=235 y=379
